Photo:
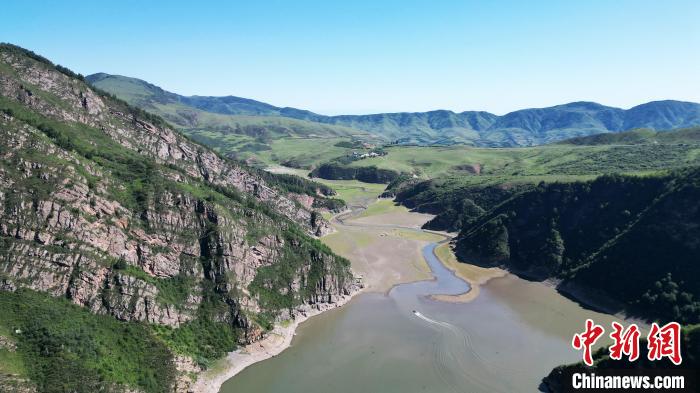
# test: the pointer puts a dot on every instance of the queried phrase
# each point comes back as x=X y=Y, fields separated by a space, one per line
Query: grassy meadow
x=353 y=192
x=541 y=161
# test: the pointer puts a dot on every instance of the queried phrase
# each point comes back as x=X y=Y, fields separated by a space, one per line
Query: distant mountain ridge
x=227 y=115
x=524 y=127
x=639 y=136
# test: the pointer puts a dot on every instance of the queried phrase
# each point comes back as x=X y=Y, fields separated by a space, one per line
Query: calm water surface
x=505 y=340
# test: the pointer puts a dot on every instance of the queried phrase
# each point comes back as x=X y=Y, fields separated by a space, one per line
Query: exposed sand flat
x=365 y=244
x=396 y=216
x=364 y=237
x=366 y=248
x=401 y=219
x=417 y=235
x=357 y=240
x=476 y=276
x=384 y=245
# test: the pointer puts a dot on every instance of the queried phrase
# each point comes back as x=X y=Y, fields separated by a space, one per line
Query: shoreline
x=274 y=343
x=281 y=336
x=475 y=277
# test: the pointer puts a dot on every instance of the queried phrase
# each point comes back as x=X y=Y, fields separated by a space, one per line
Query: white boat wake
x=432 y=321
x=451 y=349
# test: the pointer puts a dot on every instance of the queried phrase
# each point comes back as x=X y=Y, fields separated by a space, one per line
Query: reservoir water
x=505 y=340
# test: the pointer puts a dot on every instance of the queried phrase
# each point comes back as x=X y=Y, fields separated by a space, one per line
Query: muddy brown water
x=505 y=340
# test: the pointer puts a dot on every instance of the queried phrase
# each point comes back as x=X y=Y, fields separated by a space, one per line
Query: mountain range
x=443 y=127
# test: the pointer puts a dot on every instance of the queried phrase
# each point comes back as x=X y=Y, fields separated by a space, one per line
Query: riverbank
x=475 y=276
x=364 y=240
x=276 y=341
x=467 y=341
x=342 y=241
x=358 y=195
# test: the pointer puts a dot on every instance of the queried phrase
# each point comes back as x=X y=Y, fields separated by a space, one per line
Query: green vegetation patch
x=633 y=238
x=370 y=174
x=549 y=160
x=203 y=339
x=64 y=347
x=171 y=290
x=273 y=285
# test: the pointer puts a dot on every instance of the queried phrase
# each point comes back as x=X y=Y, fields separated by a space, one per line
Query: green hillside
x=457 y=194
x=246 y=130
x=525 y=127
x=472 y=165
x=630 y=238
x=639 y=137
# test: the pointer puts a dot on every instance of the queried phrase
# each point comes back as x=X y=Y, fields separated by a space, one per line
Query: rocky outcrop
x=328 y=298
x=82 y=105
x=14 y=384
x=110 y=208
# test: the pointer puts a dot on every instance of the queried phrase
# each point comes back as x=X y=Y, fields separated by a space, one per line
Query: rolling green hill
x=240 y=128
x=613 y=217
x=525 y=127
x=230 y=115
x=445 y=181
x=638 y=137
x=633 y=151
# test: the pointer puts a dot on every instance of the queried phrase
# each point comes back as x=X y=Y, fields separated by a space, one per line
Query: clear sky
x=379 y=56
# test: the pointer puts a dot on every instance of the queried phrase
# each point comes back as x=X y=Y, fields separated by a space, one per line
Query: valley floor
x=377 y=237
x=385 y=245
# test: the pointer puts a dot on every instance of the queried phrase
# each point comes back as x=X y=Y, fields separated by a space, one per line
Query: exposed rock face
x=115 y=211
x=188 y=371
x=7 y=344
x=13 y=384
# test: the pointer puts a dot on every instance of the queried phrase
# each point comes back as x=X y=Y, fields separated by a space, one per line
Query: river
x=505 y=340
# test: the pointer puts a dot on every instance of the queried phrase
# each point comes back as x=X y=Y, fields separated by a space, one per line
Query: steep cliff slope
x=631 y=239
x=168 y=245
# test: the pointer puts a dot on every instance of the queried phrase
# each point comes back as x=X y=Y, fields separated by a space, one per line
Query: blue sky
x=378 y=56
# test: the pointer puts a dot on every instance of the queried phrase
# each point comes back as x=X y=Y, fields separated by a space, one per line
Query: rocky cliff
x=108 y=207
